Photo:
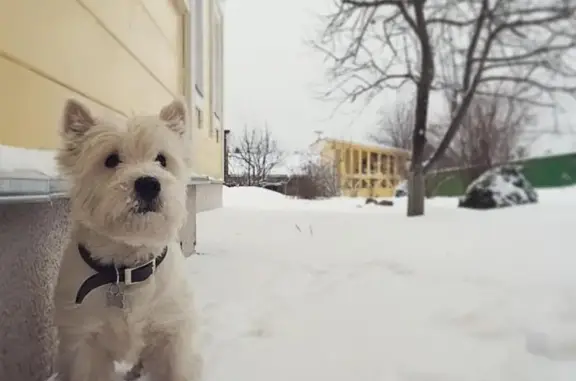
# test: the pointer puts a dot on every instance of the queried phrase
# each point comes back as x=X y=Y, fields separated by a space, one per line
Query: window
x=373 y=162
x=364 y=162
x=198 y=13
x=383 y=164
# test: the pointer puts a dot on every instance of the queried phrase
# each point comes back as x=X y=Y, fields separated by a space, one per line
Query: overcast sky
x=271 y=74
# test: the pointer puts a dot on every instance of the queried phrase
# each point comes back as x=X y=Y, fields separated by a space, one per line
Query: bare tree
x=491 y=132
x=320 y=179
x=319 y=175
x=395 y=128
x=520 y=50
x=254 y=154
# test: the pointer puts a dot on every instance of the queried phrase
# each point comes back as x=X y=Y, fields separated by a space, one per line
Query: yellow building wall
x=119 y=57
x=207 y=133
x=387 y=173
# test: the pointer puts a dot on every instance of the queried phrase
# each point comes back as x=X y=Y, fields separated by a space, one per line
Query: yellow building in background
x=364 y=170
x=119 y=57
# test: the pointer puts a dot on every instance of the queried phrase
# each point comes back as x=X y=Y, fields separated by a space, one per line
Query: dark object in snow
x=497 y=188
x=371 y=200
x=402 y=189
x=400 y=193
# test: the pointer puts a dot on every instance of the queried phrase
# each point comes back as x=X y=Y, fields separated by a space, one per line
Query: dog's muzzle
x=147 y=190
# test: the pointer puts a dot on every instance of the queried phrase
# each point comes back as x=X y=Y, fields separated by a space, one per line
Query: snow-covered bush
x=499 y=187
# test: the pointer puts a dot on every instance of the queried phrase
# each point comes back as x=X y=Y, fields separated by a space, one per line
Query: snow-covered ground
x=326 y=290
x=336 y=291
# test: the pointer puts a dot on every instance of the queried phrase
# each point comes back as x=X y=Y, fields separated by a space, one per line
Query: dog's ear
x=175 y=116
x=77 y=119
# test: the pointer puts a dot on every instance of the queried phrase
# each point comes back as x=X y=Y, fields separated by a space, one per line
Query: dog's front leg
x=171 y=356
x=82 y=359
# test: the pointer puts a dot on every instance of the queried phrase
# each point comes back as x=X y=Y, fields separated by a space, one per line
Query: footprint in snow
x=555 y=347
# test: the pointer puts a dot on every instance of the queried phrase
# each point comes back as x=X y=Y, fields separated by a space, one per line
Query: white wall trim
x=199 y=54
x=188 y=77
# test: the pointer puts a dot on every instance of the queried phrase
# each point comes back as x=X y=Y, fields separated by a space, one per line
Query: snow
x=328 y=290
x=252 y=196
x=336 y=292
x=366 y=142
x=24 y=159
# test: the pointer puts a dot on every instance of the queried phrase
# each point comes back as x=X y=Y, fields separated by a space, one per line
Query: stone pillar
x=350 y=169
x=188 y=232
x=32 y=236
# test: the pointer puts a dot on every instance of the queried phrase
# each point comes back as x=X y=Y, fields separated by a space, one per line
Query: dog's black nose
x=147 y=188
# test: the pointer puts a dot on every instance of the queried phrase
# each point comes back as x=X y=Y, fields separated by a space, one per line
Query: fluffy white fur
x=157 y=326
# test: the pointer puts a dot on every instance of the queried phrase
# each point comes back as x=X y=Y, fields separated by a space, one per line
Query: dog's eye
x=161 y=159
x=112 y=160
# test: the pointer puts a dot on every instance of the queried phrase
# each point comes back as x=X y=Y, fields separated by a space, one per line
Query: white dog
x=122 y=292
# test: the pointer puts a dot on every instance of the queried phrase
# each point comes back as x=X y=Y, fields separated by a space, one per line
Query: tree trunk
x=416 y=192
x=416 y=185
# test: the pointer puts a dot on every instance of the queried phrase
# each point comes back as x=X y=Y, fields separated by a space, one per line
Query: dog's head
x=128 y=180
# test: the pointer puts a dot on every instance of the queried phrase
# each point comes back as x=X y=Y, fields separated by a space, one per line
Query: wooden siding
x=112 y=54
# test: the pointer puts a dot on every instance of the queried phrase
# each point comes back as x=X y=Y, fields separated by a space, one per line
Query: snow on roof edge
x=20 y=159
x=365 y=143
x=42 y=161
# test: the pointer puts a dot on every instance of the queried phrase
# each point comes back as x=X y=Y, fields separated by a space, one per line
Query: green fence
x=542 y=172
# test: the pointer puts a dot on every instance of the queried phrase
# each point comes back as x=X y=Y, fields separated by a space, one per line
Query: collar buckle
x=128 y=272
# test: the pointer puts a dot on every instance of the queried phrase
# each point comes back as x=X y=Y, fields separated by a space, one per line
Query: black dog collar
x=109 y=274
